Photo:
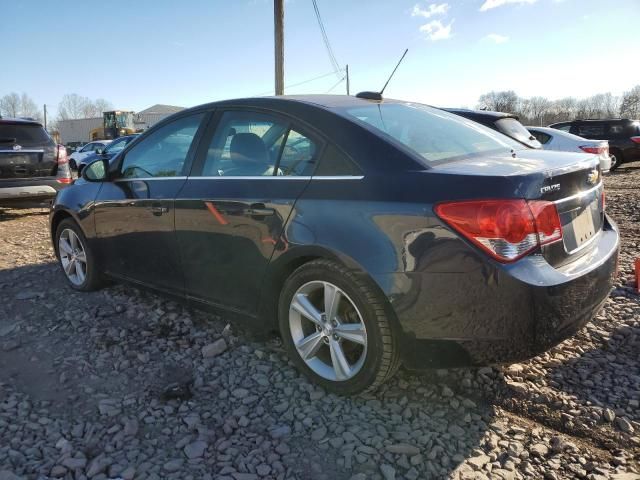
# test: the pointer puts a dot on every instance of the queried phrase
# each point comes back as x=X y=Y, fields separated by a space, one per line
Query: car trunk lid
x=572 y=181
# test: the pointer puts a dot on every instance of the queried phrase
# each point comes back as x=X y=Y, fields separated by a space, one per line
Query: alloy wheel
x=328 y=330
x=72 y=256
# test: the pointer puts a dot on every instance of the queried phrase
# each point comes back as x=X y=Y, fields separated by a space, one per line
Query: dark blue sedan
x=369 y=233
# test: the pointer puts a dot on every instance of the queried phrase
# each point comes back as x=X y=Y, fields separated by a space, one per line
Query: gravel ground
x=123 y=384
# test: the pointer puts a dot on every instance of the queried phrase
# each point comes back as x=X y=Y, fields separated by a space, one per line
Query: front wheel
x=335 y=328
x=76 y=258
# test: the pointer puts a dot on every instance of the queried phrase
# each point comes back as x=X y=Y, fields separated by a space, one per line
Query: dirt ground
x=125 y=384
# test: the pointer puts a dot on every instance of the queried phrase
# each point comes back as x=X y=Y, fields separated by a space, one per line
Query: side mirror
x=100 y=151
x=96 y=171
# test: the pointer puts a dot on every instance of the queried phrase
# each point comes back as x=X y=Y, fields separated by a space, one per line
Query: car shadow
x=31 y=211
x=602 y=381
x=53 y=342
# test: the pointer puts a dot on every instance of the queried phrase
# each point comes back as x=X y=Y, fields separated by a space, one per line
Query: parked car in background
x=553 y=139
x=623 y=136
x=76 y=157
x=32 y=166
x=115 y=147
x=506 y=123
x=370 y=233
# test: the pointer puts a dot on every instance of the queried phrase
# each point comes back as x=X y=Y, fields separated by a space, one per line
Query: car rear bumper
x=17 y=191
x=488 y=313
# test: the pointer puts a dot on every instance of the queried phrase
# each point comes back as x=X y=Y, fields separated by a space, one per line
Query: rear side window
x=591 y=130
x=437 y=136
x=542 y=137
x=335 y=163
x=298 y=155
x=24 y=135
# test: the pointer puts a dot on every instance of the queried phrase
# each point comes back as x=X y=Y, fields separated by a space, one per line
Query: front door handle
x=157 y=210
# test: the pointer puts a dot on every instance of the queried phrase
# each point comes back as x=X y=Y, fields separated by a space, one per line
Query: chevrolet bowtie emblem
x=593 y=177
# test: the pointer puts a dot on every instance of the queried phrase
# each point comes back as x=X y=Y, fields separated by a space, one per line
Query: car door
x=230 y=214
x=134 y=213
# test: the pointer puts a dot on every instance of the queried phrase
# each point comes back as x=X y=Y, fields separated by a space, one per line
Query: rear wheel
x=616 y=159
x=76 y=258
x=335 y=328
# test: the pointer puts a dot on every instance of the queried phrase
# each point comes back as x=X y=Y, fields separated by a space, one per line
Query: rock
x=403 y=449
x=58 y=471
x=195 y=449
x=173 y=465
x=240 y=392
x=456 y=430
x=477 y=463
x=539 y=450
x=609 y=415
x=7 y=475
x=319 y=433
x=130 y=427
x=214 y=349
x=388 y=472
x=624 y=425
x=74 y=463
x=280 y=432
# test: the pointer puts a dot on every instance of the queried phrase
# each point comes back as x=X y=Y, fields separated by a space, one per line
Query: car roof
x=328 y=102
x=19 y=121
x=489 y=115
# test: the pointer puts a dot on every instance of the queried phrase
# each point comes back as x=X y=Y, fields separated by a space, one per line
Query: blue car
x=107 y=153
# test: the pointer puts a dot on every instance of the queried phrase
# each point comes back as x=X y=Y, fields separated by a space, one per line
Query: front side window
x=437 y=136
x=249 y=144
x=89 y=147
x=163 y=153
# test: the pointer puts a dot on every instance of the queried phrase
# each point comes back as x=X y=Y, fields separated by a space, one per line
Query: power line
x=300 y=83
x=325 y=39
x=336 y=84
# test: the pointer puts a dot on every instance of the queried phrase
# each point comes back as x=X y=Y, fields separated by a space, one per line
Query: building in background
x=78 y=130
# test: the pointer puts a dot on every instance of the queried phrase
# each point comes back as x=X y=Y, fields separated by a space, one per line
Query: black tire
x=93 y=279
x=382 y=355
x=616 y=159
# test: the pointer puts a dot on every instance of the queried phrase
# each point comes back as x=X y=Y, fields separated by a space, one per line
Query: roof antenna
x=378 y=95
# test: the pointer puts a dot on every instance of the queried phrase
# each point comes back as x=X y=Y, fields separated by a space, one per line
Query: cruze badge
x=593 y=177
x=550 y=188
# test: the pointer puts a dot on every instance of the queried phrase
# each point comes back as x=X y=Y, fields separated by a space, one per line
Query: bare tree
x=630 y=103
x=505 y=101
x=102 y=105
x=10 y=105
x=72 y=105
x=15 y=105
x=539 y=107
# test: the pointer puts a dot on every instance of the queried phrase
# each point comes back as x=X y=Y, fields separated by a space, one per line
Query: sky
x=142 y=52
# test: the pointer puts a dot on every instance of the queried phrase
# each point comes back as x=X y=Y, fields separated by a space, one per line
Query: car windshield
x=437 y=136
x=117 y=145
x=514 y=129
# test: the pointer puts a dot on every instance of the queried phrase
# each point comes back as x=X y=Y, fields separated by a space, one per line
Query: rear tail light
x=635 y=139
x=604 y=200
x=64 y=174
x=505 y=229
x=596 y=150
x=61 y=155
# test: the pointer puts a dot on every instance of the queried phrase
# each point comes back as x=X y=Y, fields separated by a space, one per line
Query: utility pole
x=278 y=33
x=347 y=69
x=45 y=116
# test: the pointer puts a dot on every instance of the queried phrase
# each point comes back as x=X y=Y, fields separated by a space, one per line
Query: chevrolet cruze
x=370 y=233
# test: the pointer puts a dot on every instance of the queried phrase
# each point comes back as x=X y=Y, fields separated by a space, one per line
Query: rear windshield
x=23 y=135
x=513 y=128
x=437 y=136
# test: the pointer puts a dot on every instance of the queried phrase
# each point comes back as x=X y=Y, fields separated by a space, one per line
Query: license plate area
x=582 y=223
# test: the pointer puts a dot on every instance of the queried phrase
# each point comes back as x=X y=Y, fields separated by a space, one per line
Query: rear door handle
x=259 y=210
